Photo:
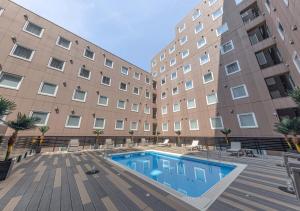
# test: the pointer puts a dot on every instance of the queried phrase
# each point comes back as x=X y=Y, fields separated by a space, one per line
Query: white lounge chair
x=144 y=142
x=73 y=145
x=129 y=143
x=164 y=144
x=235 y=148
x=109 y=143
x=194 y=145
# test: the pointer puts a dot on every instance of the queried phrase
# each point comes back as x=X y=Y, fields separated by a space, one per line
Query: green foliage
x=44 y=129
x=295 y=95
x=178 y=132
x=131 y=132
x=226 y=131
x=6 y=106
x=98 y=132
x=22 y=122
x=283 y=127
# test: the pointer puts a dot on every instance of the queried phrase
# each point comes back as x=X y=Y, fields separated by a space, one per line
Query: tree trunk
x=42 y=139
x=287 y=141
x=226 y=138
x=295 y=141
x=11 y=141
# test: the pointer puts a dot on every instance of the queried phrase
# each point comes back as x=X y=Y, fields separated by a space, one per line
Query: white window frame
x=174 y=110
x=203 y=44
x=25 y=26
x=124 y=90
x=172 y=75
x=112 y=63
x=223 y=25
x=94 y=54
x=3 y=118
x=196 y=30
x=203 y=63
x=104 y=83
x=161 y=95
x=123 y=72
x=161 y=81
x=162 y=56
x=193 y=129
x=74 y=127
x=185 y=40
x=162 y=127
x=57 y=43
x=172 y=49
x=137 y=89
x=267 y=7
x=138 y=107
x=246 y=127
x=194 y=106
x=211 y=3
x=162 y=110
x=85 y=95
x=101 y=128
x=211 y=123
x=123 y=124
x=281 y=34
x=196 y=16
x=296 y=56
x=9 y=87
x=50 y=95
x=239 y=68
x=181 y=28
x=147 y=109
x=54 y=68
x=47 y=117
x=186 y=88
x=173 y=63
x=149 y=97
x=245 y=88
x=222 y=49
x=162 y=69
x=174 y=124
x=137 y=126
x=137 y=78
x=153 y=63
x=1 y=11
x=203 y=78
x=219 y=15
x=99 y=100
x=175 y=93
x=80 y=76
x=189 y=70
x=145 y=126
x=121 y=107
x=14 y=48
x=146 y=80
x=185 y=54
x=214 y=102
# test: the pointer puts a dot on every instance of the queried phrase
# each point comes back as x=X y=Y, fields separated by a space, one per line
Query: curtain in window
x=23 y=52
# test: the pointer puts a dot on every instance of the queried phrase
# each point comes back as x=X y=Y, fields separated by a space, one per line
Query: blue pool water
x=189 y=176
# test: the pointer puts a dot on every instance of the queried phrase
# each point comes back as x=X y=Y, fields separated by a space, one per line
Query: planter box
x=5 y=168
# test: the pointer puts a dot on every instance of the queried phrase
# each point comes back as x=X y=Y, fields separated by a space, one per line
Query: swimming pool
x=183 y=176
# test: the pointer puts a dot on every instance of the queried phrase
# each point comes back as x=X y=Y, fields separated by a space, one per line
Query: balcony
x=288 y=112
x=268 y=57
x=250 y=13
x=279 y=86
x=154 y=113
x=154 y=97
x=259 y=34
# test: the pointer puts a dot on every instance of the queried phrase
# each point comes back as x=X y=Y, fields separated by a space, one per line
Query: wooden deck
x=58 y=182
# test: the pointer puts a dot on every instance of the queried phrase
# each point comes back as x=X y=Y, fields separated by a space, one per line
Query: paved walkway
x=58 y=182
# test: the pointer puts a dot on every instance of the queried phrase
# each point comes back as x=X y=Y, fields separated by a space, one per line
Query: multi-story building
x=232 y=64
x=71 y=84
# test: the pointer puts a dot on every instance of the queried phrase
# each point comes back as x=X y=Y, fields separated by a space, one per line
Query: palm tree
x=157 y=133
x=295 y=130
x=22 y=122
x=6 y=106
x=43 y=130
x=178 y=133
x=226 y=132
x=283 y=127
x=131 y=132
x=295 y=95
x=98 y=132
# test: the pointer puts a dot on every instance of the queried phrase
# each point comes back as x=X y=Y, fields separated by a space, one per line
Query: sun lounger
x=235 y=148
x=73 y=145
x=194 y=145
x=165 y=143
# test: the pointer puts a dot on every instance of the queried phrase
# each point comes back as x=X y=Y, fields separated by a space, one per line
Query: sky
x=134 y=30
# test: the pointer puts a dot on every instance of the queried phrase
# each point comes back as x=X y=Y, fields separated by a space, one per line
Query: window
x=103 y=100
x=218 y=13
x=123 y=86
x=172 y=62
x=208 y=77
x=2 y=118
x=84 y=73
x=119 y=125
x=286 y=2
x=136 y=91
x=280 y=29
x=164 y=110
x=175 y=91
x=227 y=47
x=106 y=80
x=33 y=29
x=196 y=14
x=73 y=121
x=199 y=27
x=48 y=89
x=146 y=126
x=147 y=80
x=89 y=54
x=296 y=60
x=134 y=126
x=42 y=116
x=79 y=95
x=239 y=92
x=185 y=54
x=99 y=123
x=164 y=126
x=183 y=40
x=137 y=75
x=222 y=29
x=108 y=63
x=121 y=104
x=216 y=123
x=1 y=11
x=64 y=43
x=153 y=63
x=194 y=125
x=147 y=94
x=124 y=70
x=189 y=85
x=163 y=81
x=191 y=103
x=212 y=99
x=261 y=58
x=201 y=42
x=10 y=81
x=176 y=107
x=268 y=5
x=163 y=95
x=232 y=68
x=162 y=57
x=22 y=52
x=56 y=64
x=237 y=2
x=212 y=2
x=247 y=120
x=162 y=69
x=187 y=68
x=181 y=28
x=204 y=59
x=172 y=49
x=135 y=107
x=147 y=109
x=174 y=75
x=154 y=74
x=177 y=126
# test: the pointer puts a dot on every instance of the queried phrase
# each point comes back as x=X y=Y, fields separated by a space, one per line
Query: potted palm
x=97 y=132
x=131 y=133
x=43 y=130
x=178 y=133
x=226 y=132
x=283 y=127
x=295 y=130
